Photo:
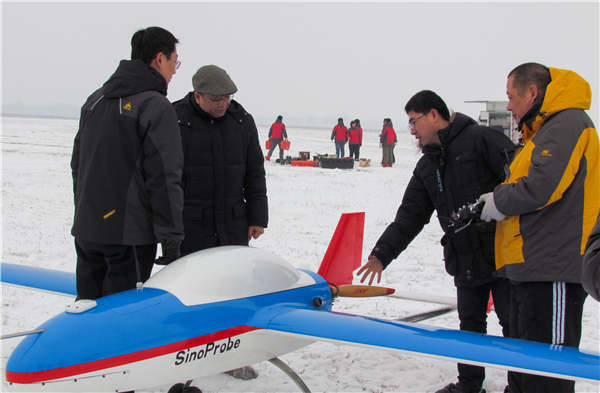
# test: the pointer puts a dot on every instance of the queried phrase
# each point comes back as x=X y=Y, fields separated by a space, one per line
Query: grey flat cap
x=213 y=80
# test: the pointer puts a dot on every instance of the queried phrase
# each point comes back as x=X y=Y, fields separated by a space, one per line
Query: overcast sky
x=302 y=60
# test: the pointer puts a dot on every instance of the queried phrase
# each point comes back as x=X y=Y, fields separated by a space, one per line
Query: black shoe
x=458 y=388
x=181 y=388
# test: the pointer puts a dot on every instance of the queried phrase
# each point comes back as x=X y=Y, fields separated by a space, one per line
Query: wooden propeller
x=359 y=290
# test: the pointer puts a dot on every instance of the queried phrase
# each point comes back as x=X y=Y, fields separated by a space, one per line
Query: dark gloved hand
x=170 y=252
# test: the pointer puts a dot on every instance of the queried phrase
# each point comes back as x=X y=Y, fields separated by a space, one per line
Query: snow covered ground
x=305 y=205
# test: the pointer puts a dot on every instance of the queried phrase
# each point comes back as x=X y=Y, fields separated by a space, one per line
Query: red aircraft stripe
x=97 y=365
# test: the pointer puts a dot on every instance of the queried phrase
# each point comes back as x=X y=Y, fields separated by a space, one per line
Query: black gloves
x=170 y=252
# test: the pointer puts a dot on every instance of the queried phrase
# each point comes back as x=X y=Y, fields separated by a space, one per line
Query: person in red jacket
x=355 y=139
x=340 y=136
x=276 y=134
x=388 y=141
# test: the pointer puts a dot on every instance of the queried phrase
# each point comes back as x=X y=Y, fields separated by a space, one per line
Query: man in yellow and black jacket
x=545 y=211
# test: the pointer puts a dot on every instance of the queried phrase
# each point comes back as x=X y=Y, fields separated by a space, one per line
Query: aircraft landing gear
x=290 y=373
x=184 y=388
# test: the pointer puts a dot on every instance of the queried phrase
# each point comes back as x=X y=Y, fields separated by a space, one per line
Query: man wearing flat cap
x=225 y=192
x=225 y=201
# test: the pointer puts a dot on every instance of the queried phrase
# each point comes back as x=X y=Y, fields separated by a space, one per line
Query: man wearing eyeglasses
x=461 y=160
x=126 y=165
x=224 y=177
x=224 y=182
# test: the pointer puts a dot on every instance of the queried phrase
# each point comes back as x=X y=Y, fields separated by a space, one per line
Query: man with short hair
x=339 y=135
x=460 y=161
x=224 y=181
x=545 y=211
x=126 y=166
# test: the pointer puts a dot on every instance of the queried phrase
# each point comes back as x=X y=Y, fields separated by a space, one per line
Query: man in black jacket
x=461 y=160
x=225 y=192
x=126 y=165
x=225 y=201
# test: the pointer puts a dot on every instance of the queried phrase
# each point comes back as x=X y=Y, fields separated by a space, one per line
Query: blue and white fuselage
x=227 y=307
x=198 y=316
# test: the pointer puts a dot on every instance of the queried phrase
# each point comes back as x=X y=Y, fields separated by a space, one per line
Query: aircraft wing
x=464 y=347
x=47 y=280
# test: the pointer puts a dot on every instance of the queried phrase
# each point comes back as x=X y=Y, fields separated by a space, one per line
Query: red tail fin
x=344 y=252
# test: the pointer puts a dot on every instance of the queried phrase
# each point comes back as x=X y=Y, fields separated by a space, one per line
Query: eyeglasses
x=177 y=64
x=212 y=98
x=413 y=122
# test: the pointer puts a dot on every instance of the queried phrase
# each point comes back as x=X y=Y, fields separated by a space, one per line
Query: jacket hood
x=133 y=77
x=567 y=90
x=458 y=122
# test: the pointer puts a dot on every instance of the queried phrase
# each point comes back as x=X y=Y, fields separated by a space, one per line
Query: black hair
x=528 y=74
x=387 y=121
x=426 y=100
x=279 y=117
x=357 y=122
x=148 y=42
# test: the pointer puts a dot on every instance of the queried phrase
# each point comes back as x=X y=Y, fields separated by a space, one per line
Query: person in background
x=388 y=141
x=461 y=159
x=590 y=274
x=277 y=133
x=224 y=177
x=355 y=139
x=340 y=136
x=545 y=211
x=127 y=165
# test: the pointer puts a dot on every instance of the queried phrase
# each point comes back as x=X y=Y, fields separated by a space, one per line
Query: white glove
x=490 y=211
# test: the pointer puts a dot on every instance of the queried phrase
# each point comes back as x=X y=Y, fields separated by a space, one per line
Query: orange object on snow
x=285 y=144
x=268 y=144
x=303 y=163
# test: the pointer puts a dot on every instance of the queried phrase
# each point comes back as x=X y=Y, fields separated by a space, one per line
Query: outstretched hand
x=372 y=268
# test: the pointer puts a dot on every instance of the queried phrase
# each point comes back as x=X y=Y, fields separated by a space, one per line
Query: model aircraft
x=226 y=307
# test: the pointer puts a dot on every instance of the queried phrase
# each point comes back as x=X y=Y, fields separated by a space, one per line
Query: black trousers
x=354 y=151
x=548 y=312
x=472 y=311
x=276 y=142
x=103 y=269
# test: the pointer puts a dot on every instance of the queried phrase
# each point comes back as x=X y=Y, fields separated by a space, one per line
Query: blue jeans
x=339 y=148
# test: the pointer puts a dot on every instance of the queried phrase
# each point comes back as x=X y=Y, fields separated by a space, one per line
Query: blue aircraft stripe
x=38 y=278
x=460 y=345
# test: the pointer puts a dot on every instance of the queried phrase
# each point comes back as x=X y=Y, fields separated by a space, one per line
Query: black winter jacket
x=223 y=178
x=127 y=162
x=471 y=160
